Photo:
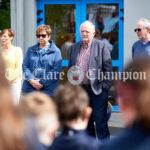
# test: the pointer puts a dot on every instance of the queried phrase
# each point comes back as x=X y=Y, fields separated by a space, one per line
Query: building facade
x=65 y=16
x=114 y=20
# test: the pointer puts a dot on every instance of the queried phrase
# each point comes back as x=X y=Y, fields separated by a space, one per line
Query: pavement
x=115 y=123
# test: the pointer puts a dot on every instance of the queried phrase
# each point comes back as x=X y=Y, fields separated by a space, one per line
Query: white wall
x=17 y=22
x=133 y=11
x=23 y=22
x=30 y=23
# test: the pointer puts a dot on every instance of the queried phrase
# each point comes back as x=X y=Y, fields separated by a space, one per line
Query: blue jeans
x=97 y=125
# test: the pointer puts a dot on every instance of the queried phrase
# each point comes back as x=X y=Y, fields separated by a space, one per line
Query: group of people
x=41 y=65
x=80 y=110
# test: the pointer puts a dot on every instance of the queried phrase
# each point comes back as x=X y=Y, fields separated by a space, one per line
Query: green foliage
x=5 y=16
x=56 y=13
x=59 y=18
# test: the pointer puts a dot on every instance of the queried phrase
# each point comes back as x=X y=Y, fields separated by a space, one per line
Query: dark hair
x=72 y=102
x=141 y=101
x=69 y=37
x=106 y=35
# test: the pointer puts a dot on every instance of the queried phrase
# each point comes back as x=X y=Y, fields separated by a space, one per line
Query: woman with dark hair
x=12 y=56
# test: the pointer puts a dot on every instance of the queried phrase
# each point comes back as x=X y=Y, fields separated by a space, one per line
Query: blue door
x=65 y=17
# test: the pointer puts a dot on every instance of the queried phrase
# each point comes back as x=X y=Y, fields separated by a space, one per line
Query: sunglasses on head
x=41 y=35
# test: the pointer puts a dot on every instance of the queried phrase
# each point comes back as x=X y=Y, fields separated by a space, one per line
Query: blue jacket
x=44 y=66
x=71 y=139
x=134 y=138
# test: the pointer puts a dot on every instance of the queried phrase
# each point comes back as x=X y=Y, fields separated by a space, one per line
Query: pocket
x=98 y=62
x=97 y=58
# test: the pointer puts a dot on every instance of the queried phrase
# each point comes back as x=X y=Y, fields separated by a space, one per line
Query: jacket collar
x=50 y=49
x=71 y=132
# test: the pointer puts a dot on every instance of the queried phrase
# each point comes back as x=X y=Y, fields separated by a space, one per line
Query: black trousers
x=97 y=125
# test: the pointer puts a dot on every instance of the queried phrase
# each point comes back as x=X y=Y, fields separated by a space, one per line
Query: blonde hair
x=38 y=103
x=43 y=110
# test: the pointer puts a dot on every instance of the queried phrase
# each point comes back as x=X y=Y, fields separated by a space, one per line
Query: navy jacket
x=134 y=138
x=74 y=140
x=45 y=67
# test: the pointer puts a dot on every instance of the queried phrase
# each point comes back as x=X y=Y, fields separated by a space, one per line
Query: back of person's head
x=98 y=34
x=72 y=102
x=42 y=109
x=11 y=124
x=135 y=90
x=69 y=37
x=144 y=22
x=106 y=35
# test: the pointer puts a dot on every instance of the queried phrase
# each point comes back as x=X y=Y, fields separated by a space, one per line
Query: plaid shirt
x=83 y=61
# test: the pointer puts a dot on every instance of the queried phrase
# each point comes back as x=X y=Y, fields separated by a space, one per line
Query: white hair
x=144 y=22
x=90 y=24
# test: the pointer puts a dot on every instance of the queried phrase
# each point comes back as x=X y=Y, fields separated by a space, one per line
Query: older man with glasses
x=142 y=46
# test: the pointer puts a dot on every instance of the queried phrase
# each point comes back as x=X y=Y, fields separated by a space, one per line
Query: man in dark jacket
x=93 y=58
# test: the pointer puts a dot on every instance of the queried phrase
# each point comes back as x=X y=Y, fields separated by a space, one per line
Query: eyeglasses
x=41 y=35
x=138 y=29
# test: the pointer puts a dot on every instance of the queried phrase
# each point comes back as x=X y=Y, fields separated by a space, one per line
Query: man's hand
x=36 y=84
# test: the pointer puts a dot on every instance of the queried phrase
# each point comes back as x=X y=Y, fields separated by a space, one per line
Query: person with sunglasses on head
x=142 y=46
x=42 y=64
